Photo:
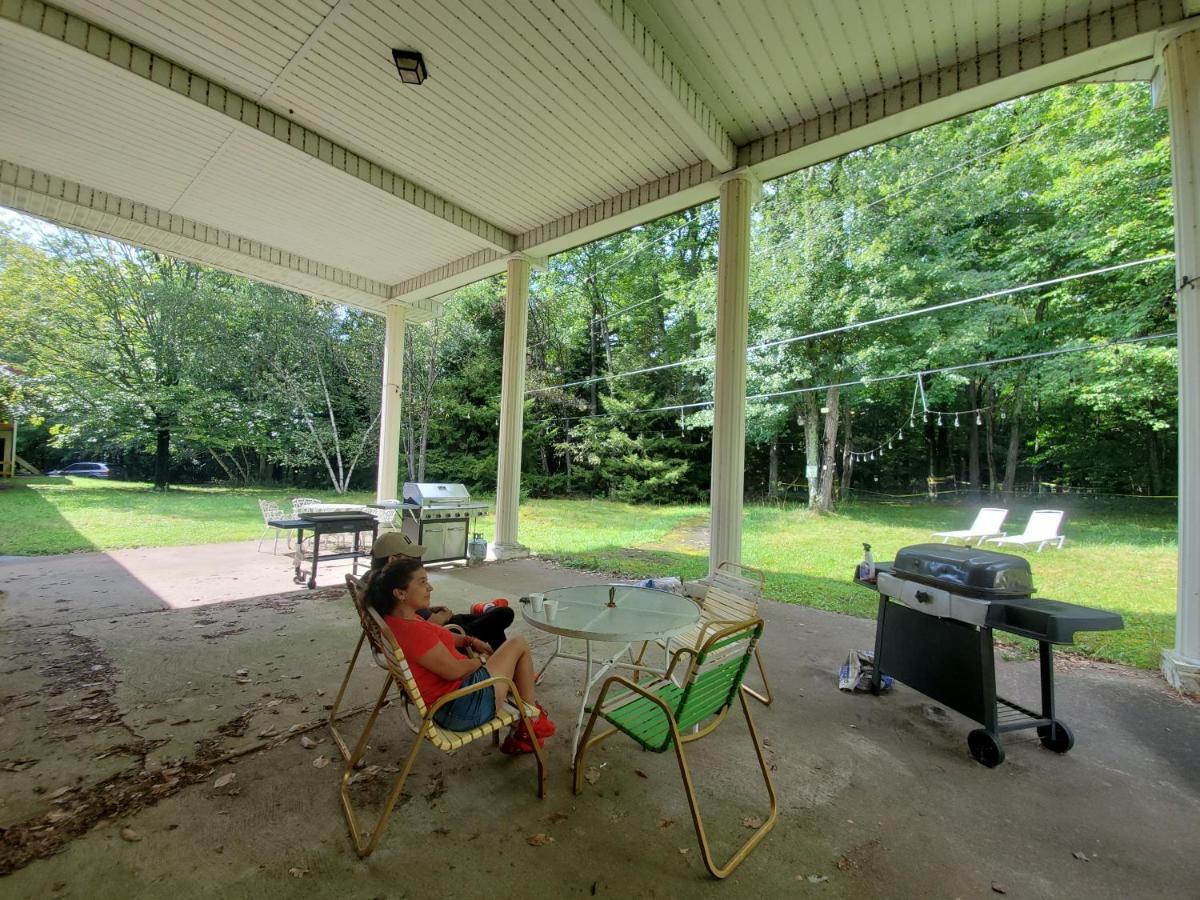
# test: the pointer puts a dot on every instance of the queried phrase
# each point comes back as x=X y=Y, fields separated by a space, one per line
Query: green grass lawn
x=1116 y=558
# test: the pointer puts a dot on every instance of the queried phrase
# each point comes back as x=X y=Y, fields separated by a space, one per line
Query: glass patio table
x=609 y=614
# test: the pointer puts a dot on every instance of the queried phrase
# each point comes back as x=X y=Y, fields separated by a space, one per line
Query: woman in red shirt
x=432 y=652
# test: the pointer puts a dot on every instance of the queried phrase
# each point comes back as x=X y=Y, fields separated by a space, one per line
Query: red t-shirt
x=417 y=637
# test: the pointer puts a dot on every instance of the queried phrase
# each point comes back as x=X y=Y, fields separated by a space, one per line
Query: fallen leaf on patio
x=640 y=774
x=182 y=721
x=321 y=693
x=844 y=864
x=320 y=762
x=62 y=790
x=591 y=775
x=665 y=822
x=307 y=743
x=555 y=818
x=242 y=672
x=684 y=850
x=999 y=888
x=271 y=703
x=128 y=834
x=441 y=830
x=269 y=731
x=1078 y=854
x=817 y=879
x=17 y=765
x=752 y=822
x=224 y=780
x=539 y=840
x=297 y=872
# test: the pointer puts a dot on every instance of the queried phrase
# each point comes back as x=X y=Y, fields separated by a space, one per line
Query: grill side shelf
x=1049 y=620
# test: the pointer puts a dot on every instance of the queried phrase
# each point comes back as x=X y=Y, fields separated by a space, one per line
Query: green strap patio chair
x=387 y=652
x=660 y=716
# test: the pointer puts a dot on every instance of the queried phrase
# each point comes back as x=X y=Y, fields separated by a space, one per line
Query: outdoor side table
x=320 y=523
x=640 y=614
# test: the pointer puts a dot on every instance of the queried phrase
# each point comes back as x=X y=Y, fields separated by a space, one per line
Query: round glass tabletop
x=638 y=614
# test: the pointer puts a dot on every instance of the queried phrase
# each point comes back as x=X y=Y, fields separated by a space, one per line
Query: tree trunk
x=828 y=461
x=162 y=454
x=1153 y=467
x=1014 y=445
x=264 y=469
x=973 y=444
x=847 y=462
x=773 y=471
x=812 y=447
x=990 y=439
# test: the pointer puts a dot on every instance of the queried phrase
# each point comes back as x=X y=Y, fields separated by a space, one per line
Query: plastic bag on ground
x=859 y=668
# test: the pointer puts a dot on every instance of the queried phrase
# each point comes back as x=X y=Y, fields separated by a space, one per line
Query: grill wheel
x=985 y=748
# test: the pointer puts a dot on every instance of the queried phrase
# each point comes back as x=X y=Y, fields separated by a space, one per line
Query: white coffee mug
x=551 y=608
x=537 y=600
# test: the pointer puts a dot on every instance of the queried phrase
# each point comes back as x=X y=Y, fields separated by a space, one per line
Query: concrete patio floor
x=131 y=682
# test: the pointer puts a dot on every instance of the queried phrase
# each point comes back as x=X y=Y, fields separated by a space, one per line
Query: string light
x=978 y=417
x=939 y=420
x=956 y=420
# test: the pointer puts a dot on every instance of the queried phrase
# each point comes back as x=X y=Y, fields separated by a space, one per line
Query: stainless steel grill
x=440 y=516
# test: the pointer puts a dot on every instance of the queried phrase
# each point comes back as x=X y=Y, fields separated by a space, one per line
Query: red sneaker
x=542 y=726
x=516 y=743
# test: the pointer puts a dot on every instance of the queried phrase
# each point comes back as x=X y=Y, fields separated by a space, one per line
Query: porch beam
x=387 y=481
x=77 y=32
x=1181 y=81
x=512 y=410
x=651 y=71
x=738 y=194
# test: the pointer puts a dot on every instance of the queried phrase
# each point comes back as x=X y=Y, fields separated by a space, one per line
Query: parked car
x=84 y=470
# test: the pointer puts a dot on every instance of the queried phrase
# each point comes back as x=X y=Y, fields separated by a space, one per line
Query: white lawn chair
x=270 y=510
x=386 y=519
x=1042 y=529
x=986 y=525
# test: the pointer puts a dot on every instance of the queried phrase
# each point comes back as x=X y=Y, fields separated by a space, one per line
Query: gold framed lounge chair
x=388 y=654
x=357 y=588
x=732 y=596
x=656 y=715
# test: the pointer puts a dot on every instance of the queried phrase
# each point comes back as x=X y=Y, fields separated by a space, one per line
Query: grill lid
x=434 y=493
x=965 y=570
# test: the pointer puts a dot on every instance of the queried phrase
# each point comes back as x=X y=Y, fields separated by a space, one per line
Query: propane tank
x=476 y=549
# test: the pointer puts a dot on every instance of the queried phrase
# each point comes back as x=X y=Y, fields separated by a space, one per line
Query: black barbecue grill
x=938 y=606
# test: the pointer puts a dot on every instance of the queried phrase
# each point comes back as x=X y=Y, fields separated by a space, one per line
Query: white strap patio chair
x=1042 y=529
x=986 y=525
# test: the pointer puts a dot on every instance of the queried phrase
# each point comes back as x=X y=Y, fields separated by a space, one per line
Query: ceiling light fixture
x=410 y=65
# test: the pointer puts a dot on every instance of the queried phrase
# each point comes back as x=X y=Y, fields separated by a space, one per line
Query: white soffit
x=279 y=130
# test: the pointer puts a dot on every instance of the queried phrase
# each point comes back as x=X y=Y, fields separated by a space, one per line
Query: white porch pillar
x=512 y=411
x=1181 y=80
x=387 y=482
x=739 y=190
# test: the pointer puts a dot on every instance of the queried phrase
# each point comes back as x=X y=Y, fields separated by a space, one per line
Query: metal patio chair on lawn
x=732 y=596
x=271 y=511
x=657 y=714
x=388 y=654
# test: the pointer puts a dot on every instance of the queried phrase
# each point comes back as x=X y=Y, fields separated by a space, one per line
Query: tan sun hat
x=395 y=544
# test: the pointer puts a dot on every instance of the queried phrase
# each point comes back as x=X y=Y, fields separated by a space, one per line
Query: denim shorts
x=472 y=710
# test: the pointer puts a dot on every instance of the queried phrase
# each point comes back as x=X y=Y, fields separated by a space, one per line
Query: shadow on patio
x=878 y=796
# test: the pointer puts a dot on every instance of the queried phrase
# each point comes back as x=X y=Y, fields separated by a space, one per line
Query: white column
x=738 y=193
x=1181 y=73
x=387 y=482
x=512 y=411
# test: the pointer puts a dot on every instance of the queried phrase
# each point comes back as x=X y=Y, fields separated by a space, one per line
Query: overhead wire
x=852 y=326
x=871 y=380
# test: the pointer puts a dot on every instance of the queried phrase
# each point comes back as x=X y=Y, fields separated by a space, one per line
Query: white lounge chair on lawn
x=986 y=525
x=1042 y=530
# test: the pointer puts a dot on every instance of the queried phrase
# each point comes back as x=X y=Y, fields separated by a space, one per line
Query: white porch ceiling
x=275 y=139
